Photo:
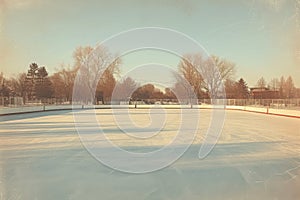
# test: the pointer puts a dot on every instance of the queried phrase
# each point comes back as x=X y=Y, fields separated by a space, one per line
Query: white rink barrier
x=40 y=108
x=266 y=110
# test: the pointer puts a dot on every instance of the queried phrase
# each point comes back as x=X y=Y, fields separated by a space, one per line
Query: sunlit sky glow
x=260 y=36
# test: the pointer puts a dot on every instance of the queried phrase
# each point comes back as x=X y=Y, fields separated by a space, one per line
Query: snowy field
x=257 y=157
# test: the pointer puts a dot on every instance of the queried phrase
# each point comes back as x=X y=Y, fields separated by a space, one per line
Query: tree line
x=37 y=84
x=198 y=77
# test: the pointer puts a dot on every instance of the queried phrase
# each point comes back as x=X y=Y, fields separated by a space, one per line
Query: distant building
x=263 y=93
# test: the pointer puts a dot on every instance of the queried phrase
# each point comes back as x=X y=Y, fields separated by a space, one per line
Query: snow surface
x=257 y=157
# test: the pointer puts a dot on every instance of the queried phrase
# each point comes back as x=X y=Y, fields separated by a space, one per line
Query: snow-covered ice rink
x=257 y=157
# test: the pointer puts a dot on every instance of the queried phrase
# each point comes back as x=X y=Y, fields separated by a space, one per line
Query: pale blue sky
x=258 y=35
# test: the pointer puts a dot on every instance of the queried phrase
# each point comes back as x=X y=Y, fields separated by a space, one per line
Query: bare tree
x=289 y=88
x=1 y=79
x=230 y=88
x=124 y=89
x=18 y=85
x=282 y=87
x=205 y=75
x=169 y=94
x=81 y=56
x=106 y=85
x=274 y=84
x=184 y=90
x=261 y=83
x=225 y=67
x=58 y=87
x=4 y=87
x=215 y=71
x=188 y=69
x=63 y=82
x=93 y=63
